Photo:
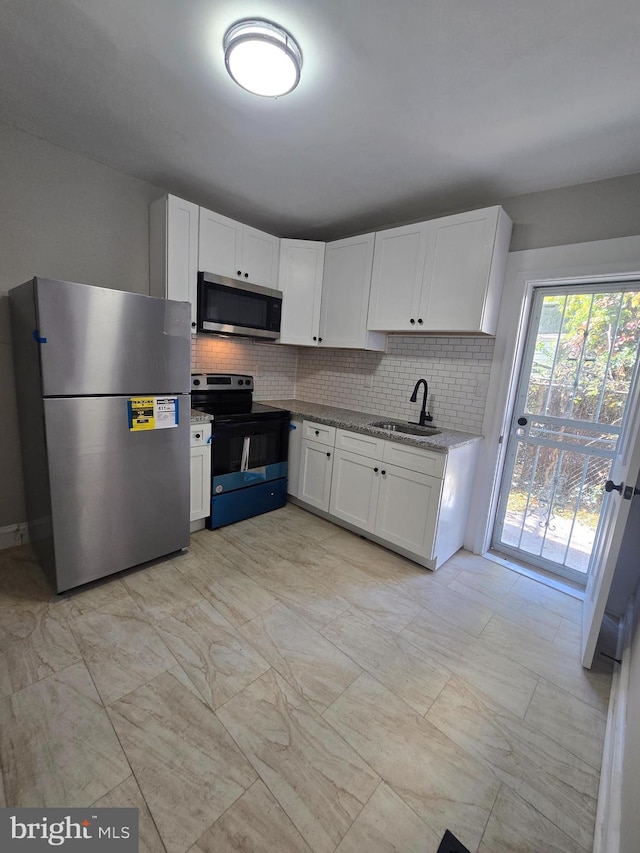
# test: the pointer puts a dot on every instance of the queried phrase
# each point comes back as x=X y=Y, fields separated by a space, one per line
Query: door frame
x=600 y=262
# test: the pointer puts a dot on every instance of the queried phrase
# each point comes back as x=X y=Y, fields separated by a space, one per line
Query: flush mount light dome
x=262 y=57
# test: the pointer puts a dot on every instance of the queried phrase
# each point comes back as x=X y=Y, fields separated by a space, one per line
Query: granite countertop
x=359 y=422
x=200 y=417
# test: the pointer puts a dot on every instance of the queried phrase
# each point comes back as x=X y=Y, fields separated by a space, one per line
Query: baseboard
x=13 y=534
x=608 y=814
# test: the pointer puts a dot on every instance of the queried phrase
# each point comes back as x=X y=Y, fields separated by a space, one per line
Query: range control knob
x=196 y=381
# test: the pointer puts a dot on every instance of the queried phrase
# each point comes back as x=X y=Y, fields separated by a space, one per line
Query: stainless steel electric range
x=249 y=448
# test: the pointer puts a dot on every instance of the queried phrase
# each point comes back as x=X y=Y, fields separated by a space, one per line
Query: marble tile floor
x=288 y=686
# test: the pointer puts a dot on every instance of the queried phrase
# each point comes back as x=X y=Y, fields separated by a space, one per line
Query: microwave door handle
x=246 y=446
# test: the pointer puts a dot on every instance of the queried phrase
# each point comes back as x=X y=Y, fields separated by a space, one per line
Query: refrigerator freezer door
x=118 y=497
x=96 y=341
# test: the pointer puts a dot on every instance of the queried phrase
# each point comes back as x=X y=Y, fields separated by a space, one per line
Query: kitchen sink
x=405 y=428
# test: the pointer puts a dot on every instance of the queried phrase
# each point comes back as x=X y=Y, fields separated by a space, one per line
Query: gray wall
x=600 y=210
x=64 y=216
x=61 y=216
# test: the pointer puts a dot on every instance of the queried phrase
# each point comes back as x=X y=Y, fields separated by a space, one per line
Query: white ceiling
x=404 y=110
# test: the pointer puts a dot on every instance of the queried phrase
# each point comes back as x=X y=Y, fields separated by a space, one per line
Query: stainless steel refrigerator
x=103 y=389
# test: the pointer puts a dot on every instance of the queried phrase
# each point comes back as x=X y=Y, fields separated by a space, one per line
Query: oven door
x=249 y=452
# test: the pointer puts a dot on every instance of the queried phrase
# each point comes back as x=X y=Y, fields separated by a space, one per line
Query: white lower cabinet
x=316 y=465
x=396 y=504
x=407 y=512
x=295 y=449
x=354 y=489
x=200 y=500
x=414 y=501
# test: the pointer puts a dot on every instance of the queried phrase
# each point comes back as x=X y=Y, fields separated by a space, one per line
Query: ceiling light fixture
x=262 y=57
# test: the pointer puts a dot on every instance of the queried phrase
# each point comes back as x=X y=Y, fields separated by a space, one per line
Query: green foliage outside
x=582 y=369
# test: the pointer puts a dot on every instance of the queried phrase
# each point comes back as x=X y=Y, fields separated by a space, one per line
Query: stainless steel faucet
x=425 y=416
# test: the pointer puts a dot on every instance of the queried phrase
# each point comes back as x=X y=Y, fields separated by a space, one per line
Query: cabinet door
x=260 y=256
x=316 y=463
x=345 y=294
x=300 y=280
x=220 y=248
x=396 y=283
x=407 y=513
x=457 y=271
x=295 y=450
x=173 y=251
x=354 y=489
x=200 y=482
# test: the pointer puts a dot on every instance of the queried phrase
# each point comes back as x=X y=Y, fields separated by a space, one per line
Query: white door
x=220 y=245
x=260 y=256
x=408 y=505
x=396 y=283
x=354 y=489
x=300 y=280
x=316 y=464
x=615 y=512
x=345 y=292
x=570 y=411
x=457 y=270
x=295 y=451
x=200 y=482
x=182 y=252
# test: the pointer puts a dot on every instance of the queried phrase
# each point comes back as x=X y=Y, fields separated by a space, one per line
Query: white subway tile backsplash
x=457 y=370
x=272 y=366
x=382 y=382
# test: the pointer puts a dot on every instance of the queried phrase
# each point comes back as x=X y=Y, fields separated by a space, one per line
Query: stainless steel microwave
x=230 y=307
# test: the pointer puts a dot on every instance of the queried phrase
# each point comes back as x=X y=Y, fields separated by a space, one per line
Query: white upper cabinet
x=465 y=266
x=173 y=251
x=345 y=295
x=300 y=280
x=444 y=275
x=260 y=257
x=396 y=283
x=229 y=248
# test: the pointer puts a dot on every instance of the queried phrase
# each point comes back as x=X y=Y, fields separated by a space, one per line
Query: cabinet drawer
x=320 y=433
x=415 y=458
x=200 y=434
x=365 y=445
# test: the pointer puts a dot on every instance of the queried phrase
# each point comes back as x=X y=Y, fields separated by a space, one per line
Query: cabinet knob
x=239 y=272
x=320 y=339
x=328 y=456
x=246 y=275
x=412 y=321
x=315 y=338
x=197 y=435
x=375 y=470
x=383 y=471
x=420 y=320
x=317 y=432
x=193 y=325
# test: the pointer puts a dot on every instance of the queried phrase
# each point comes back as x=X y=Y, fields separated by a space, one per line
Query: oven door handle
x=231 y=428
x=246 y=448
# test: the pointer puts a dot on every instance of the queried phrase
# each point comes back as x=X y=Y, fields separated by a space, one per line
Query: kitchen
x=53 y=198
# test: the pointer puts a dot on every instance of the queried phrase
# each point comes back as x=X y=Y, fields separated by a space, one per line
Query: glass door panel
x=580 y=359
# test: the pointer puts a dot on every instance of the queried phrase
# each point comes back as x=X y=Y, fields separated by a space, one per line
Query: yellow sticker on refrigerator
x=152 y=413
